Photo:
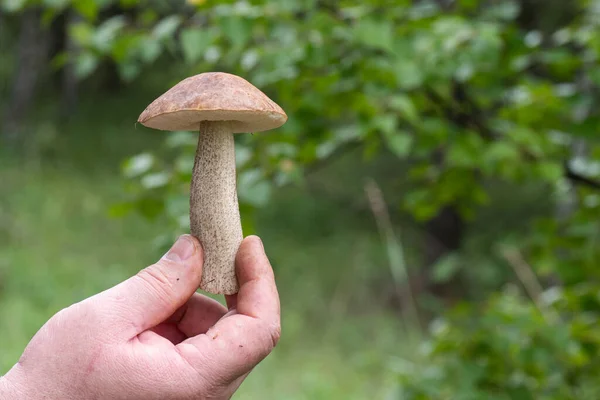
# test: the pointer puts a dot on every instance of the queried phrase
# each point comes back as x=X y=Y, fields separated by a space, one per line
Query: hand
x=153 y=337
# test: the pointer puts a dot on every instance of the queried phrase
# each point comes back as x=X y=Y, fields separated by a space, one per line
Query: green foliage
x=568 y=247
x=478 y=106
x=462 y=92
x=460 y=97
x=508 y=348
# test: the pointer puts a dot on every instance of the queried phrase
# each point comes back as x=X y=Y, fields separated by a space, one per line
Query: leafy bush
x=511 y=348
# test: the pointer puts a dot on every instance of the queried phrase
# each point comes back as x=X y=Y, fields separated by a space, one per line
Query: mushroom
x=217 y=105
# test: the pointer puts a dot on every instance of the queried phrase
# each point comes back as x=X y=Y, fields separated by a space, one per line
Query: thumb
x=156 y=292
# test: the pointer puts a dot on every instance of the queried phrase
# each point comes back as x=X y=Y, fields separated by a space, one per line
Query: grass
x=57 y=246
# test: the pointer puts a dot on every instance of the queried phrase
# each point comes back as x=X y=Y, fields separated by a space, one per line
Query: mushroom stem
x=214 y=210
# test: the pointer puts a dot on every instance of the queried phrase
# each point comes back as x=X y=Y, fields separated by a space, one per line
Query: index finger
x=250 y=331
x=258 y=297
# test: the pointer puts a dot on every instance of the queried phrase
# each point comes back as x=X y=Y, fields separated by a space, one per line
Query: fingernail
x=181 y=250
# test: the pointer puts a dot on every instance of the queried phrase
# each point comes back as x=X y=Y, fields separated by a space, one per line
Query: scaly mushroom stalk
x=214 y=210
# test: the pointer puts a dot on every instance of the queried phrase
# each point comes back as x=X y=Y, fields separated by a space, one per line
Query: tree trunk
x=444 y=235
x=69 y=93
x=30 y=63
x=3 y=50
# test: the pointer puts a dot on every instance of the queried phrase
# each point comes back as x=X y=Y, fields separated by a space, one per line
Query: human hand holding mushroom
x=153 y=337
x=217 y=105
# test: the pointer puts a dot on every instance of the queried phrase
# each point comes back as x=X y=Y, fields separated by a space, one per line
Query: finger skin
x=154 y=294
x=250 y=330
x=258 y=296
x=231 y=300
x=199 y=314
x=195 y=317
x=166 y=330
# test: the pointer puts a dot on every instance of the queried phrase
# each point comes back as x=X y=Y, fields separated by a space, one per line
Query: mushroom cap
x=213 y=96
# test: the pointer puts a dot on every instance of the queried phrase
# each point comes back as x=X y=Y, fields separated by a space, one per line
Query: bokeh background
x=430 y=208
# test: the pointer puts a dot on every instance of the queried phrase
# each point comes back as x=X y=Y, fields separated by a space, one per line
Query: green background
x=430 y=207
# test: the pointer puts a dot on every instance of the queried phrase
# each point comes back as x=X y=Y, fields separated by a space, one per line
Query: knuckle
x=271 y=337
x=155 y=274
x=156 y=280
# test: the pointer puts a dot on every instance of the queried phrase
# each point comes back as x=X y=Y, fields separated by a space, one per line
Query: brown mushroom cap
x=213 y=96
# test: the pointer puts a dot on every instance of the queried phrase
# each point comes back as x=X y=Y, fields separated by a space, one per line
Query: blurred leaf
x=150 y=49
x=446 y=268
x=550 y=171
x=242 y=155
x=184 y=165
x=60 y=60
x=182 y=139
x=106 y=33
x=85 y=64
x=138 y=165
x=466 y=151
x=47 y=16
x=405 y=106
x=326 y=148
x=506 y=10
x=400 y=143
x=129 y=71
x=150 y=207
x=194 y=42
x=408 y=74
x=155 y=180
x=87 y=8
x=125 y=46
x=250 y=59
x=376 y=34
x=82 y=33
x=385 y=123
x=258 y=195
x=166 y=28
x=178 y=205
x=236 y=29
x=12 y=6
x=253 y=189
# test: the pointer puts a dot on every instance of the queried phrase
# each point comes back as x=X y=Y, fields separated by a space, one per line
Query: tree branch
x=580 y=179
